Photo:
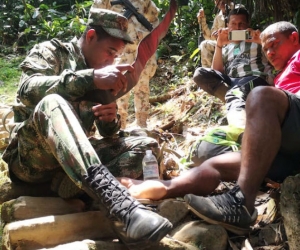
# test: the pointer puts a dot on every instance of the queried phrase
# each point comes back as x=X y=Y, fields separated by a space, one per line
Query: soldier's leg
x=142 y=92
x=207 y=50
x=59 y=131
x=123 y=102
x=123 y=155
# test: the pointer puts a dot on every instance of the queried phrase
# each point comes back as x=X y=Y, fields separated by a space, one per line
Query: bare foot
x=150 y=189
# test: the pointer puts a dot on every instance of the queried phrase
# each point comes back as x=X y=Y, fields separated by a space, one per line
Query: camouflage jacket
x=54 y=67
x=218 y=23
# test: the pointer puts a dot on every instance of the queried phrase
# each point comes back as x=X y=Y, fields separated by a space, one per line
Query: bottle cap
x=148 y=152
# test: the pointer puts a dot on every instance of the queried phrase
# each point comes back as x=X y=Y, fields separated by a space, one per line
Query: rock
x=272 y=234
x=173 y=244
x=203 y=235
x=174 y=210
x=289 y=208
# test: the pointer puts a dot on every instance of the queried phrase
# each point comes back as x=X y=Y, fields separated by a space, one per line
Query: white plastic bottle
x=150 y=166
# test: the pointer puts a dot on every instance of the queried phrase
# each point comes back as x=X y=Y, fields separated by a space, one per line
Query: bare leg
x=266 y=108
x=201 y=180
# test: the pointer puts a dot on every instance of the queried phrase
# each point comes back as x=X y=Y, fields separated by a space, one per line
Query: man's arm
x=204 y=27
x=217 y=63
x=217 y=24
x=44 y=73
x=50 y=69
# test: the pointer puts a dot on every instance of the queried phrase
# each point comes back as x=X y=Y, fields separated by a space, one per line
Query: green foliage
x=184 y=30
x=26 y=22
x=9 y=77
x=296 y=19
x=182 y=39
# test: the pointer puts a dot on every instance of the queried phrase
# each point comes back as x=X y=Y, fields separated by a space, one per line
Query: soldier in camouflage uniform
x=55 y=124
x=57 y=68
x=137 y=32
x=207 y=47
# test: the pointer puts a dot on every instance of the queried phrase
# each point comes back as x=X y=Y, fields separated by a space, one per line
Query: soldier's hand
x=112 y=77
x=215 y=34
x=200 y=14
x=106 y=113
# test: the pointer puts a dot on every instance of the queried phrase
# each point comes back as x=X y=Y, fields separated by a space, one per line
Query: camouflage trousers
x=207 y=50
x=141 y=94
x=53 y=139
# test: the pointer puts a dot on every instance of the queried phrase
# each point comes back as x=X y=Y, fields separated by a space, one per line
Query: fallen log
x=164 y=244
x=50 y=231
x=10 y=190
x=167 y=126
x=167 y=96
x=26 y=207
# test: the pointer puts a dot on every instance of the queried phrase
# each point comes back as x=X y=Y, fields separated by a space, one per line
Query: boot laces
x=112 y=194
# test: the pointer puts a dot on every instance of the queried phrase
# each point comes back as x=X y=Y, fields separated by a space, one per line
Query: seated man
x=270 y=146
x=54 y=124
x=234 y=62
x=271 y=143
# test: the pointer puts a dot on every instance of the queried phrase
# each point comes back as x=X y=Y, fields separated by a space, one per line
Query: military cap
x=112 y=22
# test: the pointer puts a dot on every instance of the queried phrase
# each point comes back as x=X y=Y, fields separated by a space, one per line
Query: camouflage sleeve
x=205 y=29
x=108 y=129
x=214 y=27
x=218 y=23
x=103 y=4
x=45 y=71
x=151 y=12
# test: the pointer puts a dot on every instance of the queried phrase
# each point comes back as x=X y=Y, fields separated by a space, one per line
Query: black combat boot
x=137 y=226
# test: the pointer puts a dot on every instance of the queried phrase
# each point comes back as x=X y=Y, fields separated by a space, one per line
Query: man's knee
x=208 y=45
x=200 y=76
x=48 y=105
x=52 y=99
x=206 y=80
x=260 y=94
x=266 y=97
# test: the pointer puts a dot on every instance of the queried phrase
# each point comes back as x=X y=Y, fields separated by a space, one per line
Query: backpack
x=216 y=141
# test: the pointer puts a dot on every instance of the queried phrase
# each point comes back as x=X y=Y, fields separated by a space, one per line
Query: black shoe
x=137 y=226
x=226 y=209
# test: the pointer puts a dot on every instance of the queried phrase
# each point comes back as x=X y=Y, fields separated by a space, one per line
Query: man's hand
x=255 y=36
x=222 y=37
x=112 y=78
x=106 y=113
x=215 y=34
x=200 y=14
